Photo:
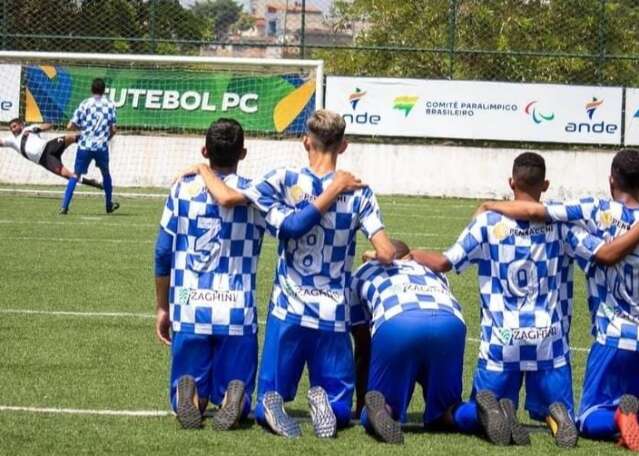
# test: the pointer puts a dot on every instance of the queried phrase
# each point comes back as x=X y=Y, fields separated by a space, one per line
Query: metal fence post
x=303 y=31
x=601 y=40
x=152 y=4
x=452 y=33
x=5 y=20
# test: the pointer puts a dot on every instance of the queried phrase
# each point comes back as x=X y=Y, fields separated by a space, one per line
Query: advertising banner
x=9 y=92
x=174 y=99
x=631 y=137
x=477 y=110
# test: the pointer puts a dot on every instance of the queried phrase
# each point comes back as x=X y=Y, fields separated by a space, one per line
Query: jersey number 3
x=206 y=251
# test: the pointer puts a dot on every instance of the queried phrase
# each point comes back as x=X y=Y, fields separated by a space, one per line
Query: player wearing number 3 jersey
x=309 y=320
x=526 y=289
x=206 y=266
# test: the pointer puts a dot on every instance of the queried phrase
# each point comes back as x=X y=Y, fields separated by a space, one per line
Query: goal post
x=164 y=106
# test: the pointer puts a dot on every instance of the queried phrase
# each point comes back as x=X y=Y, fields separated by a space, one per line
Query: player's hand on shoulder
x=163 y=326
x=483 y=207
x=347 y=182
x=369 y=255
x=190 y=171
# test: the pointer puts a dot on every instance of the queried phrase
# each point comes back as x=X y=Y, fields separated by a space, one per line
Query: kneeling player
x=609 y=403
x=206 y=266
x=525 y=285
x=418 y=337
x=48 y=154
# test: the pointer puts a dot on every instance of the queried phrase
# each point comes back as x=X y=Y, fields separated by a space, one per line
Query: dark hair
x=225 y=142
x=98 y=86
x=16 y=120
x=625 y=170
x=529 y=169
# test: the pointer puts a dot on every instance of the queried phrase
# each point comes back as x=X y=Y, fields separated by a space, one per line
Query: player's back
x=380 y=292
x=216 y=250
x=525 y=285
x=94 y=116
x=613 y=290
x=313 y=271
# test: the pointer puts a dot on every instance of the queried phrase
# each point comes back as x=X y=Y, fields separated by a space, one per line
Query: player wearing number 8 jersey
x=308 y=321
x=206 y=266
x=609 y=402
x=525 y=286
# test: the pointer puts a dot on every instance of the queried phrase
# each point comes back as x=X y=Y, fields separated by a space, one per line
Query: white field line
x=73 y=411
x=81 y=193
x=61 y=313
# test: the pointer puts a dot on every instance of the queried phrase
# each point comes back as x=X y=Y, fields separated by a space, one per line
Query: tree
x=509 y=40
x=221 y=14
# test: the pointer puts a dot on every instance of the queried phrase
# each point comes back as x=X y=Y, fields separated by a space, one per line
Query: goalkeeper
x=48 y=154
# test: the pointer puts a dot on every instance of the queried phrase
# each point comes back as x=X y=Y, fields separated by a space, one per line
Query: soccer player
x=95 y=118
x=609 y=403
x=48 y=154
x=525 y=285
x=308 y=323
x=418 y=335
x=206 y=265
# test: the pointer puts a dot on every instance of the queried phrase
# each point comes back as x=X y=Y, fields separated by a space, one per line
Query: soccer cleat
x=389 y=430
x=187 y=410
x=112 y=208
x=626 y=419
x=276 y=417
x=562 y=426
x=231 y=409
x=322 y=416
x=91 y=183
x=63 y=211
x=519 y=434
x=492 y=419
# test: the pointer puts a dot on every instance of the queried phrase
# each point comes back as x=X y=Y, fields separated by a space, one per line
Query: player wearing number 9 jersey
x=308 y=323
x=609 y=401
x=206 y=266
x=526 y=290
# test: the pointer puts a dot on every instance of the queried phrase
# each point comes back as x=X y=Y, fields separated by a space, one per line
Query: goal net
x=164 y=106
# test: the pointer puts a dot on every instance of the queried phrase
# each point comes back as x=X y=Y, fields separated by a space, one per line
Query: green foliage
x=220 y=14
x=510 y=40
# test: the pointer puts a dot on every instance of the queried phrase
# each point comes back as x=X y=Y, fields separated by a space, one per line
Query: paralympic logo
x=405 y=103
x=537 y=116
x=355 y=97
x=592 y=106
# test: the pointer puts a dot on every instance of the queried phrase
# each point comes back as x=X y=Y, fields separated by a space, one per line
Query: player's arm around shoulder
x=605 y=253
x=224 y=194
x=516 y=210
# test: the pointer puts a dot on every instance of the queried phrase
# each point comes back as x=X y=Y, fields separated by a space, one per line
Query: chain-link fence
x=572 y=41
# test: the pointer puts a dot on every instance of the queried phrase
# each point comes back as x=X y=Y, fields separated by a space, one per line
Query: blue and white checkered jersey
x=94 y=117
x=313 y=272
x=613 y=291
x=215 y=256
x=380 y=292
x=525 y=288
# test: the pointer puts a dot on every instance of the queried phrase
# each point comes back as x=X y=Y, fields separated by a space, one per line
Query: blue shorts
x=543 y=387
x=84 y=157
x=214 y=361
x=610 y=373
x=418 y=346
x=288 y=347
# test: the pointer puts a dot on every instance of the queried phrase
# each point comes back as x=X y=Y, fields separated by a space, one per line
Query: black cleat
x=322 y=416
x=389 y=430
x=492 y=419
x=63 y=211
x=519 y=434
x=276 y=417
x=91 y=183
x=229 y=413
x=562 y=426
x=112 y=208
x=188 y=411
